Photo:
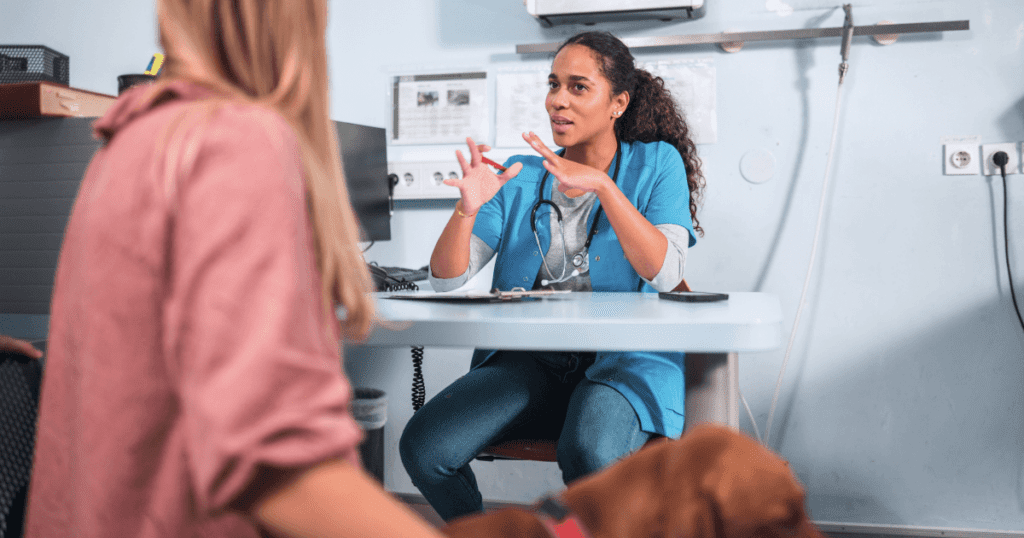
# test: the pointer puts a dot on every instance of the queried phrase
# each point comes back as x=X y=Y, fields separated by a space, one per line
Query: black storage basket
x=31 y=63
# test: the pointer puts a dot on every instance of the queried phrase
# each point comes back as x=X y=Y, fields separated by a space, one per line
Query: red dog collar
x=559 y=520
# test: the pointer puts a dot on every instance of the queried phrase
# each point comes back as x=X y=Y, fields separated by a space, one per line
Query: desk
x=712 y=334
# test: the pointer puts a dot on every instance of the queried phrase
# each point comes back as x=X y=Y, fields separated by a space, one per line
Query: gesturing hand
x=21 y=347
x=478 y=183
x=572 y=176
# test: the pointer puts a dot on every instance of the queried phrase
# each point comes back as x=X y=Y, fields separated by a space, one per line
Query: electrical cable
x=843 y=68
x=368 y=246
x=1000 y=158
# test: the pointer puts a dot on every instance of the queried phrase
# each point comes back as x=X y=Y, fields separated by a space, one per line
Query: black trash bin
x=370 y=409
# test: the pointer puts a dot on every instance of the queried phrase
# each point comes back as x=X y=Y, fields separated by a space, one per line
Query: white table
x=712 y=334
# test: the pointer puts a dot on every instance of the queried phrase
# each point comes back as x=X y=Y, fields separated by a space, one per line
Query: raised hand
x=572 y=176
x=479 y=183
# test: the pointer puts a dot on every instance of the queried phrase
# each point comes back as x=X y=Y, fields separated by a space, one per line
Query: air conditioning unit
x=552 y=12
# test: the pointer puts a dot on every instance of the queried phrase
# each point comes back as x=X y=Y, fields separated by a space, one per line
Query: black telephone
x=396 y=278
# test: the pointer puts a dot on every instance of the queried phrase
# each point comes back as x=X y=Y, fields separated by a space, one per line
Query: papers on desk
x=494 y=296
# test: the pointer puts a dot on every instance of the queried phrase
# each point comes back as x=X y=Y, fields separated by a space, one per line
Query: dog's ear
x=697 y=520
x=754 y=492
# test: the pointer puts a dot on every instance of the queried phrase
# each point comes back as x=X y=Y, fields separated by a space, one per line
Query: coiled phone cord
x=419 y=388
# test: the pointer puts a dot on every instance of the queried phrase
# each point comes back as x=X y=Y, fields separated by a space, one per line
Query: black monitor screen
x=42 y=162
x=365 y=160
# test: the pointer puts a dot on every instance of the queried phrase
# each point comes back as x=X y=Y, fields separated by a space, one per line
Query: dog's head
x=747 y=491
x=714 y=482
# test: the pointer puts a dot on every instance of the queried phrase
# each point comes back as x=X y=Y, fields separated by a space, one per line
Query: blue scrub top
x=652 y=176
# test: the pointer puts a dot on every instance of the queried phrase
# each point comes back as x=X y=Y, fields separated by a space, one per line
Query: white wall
x=903 y=398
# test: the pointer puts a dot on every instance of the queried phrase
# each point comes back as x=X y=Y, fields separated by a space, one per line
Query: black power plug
x=1000 y=158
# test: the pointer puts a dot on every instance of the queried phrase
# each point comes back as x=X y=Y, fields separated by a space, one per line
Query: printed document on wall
x=521 y=95
x=440 y=109
x=693 y=85
x=520 y=108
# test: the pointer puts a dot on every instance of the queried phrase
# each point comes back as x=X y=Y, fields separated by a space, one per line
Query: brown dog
x=714 y=482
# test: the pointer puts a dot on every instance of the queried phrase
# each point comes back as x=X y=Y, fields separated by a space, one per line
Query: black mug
x=127 y=81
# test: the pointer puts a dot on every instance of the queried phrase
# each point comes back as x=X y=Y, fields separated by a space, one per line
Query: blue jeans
x=516 y=394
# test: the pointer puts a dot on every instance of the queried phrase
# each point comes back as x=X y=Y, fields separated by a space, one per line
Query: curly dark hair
x=652 y=114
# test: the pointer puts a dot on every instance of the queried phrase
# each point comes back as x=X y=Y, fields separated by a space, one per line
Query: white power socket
x=409 y=180
x=961 y=159
x=423 y=180
x=991 y=169
x=435 y=174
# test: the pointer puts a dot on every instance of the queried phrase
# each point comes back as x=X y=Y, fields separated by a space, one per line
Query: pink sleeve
x=260 y=381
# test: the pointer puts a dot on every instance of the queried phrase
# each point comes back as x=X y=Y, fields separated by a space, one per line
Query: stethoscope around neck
x=579 y=257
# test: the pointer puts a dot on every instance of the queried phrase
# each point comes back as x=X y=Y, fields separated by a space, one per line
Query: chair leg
x=712 y=389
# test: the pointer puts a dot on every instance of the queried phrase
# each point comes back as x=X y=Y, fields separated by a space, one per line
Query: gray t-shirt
x=574 y=226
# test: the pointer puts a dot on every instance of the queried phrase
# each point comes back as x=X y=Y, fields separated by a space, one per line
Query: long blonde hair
x=273 y=53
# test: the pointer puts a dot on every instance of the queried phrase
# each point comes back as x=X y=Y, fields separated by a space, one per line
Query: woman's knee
x=600 y=428
x=433 y=447
x=422 y=452
x=578 y=458
x=408 y=450
x=590 y=452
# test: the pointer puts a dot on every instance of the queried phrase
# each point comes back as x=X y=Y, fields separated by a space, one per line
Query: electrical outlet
x=435 y=174
x=991 y=169
x=961 y=159
x=410 y=182
x=424 y=180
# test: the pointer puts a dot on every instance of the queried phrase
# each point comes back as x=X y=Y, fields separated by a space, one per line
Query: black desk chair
x=20 y=379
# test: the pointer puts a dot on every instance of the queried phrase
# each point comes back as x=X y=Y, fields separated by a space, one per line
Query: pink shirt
x=187 y=344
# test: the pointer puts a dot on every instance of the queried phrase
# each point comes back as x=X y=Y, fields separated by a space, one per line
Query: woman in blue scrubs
x=615 y=210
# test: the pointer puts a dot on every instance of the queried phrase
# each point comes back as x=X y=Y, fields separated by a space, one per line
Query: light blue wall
x=903 y=401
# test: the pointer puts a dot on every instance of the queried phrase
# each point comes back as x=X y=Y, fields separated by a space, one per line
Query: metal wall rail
x=775 y=35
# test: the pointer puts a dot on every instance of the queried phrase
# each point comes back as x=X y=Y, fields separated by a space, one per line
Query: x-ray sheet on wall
x=693 y=84
x=520 y=108
x=520 y=101
x=440 y=109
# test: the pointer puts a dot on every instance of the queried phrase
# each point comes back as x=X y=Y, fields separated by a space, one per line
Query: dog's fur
x=714 y=482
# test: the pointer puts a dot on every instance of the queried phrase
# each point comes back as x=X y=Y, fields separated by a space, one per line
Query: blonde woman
x=193 y=386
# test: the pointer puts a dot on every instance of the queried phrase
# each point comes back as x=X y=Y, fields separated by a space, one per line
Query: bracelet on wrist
x=459 y=211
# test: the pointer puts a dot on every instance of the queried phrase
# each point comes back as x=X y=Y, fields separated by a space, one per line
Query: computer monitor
x=42 y=162
x=365 y=161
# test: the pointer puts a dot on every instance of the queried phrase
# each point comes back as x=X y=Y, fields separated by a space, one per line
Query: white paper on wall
x=440 y=109
x=693 y=84
x=520 y=101
x=520 y=108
